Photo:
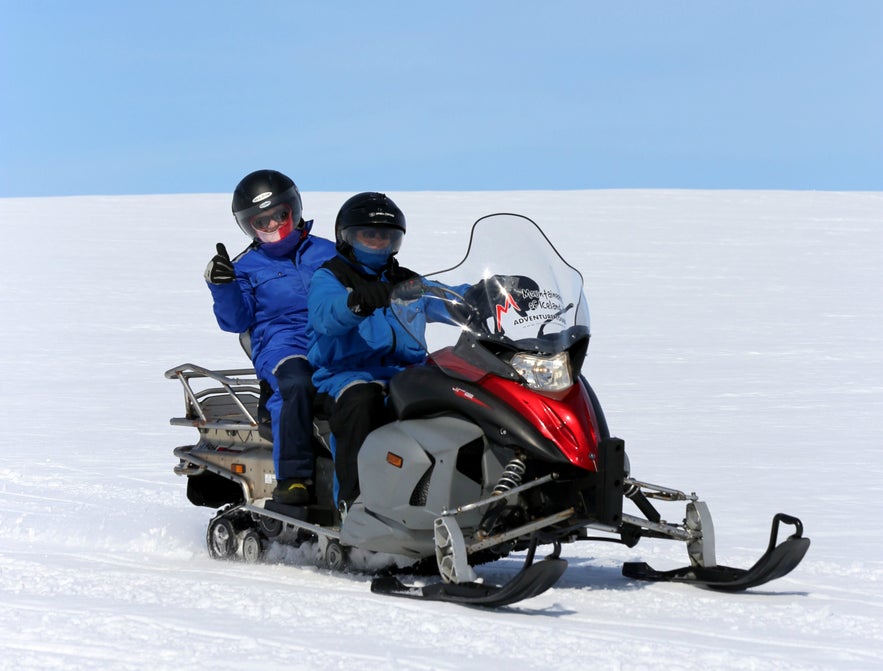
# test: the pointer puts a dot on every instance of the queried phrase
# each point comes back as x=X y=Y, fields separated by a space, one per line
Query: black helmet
x=266 y=198
x=369 y=210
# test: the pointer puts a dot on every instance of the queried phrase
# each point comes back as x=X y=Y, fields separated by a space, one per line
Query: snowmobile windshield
x=512 y=293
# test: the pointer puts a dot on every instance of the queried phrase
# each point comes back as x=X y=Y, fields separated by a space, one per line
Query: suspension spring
x=511 y=476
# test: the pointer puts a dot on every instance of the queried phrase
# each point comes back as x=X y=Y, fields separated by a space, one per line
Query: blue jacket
x=346 y=348
x=269 y=298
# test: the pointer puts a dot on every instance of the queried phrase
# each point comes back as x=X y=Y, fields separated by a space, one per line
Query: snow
x=736 y=348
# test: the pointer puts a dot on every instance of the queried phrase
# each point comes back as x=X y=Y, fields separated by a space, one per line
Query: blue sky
x=187 y=97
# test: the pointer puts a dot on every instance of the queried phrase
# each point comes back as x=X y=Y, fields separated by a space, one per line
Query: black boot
x=292 y=492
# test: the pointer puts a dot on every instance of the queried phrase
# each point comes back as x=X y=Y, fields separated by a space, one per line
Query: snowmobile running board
x=777 y=561
x=259 y=507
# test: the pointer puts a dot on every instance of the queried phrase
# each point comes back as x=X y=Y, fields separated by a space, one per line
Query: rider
x=264 y=292
x=356 y=345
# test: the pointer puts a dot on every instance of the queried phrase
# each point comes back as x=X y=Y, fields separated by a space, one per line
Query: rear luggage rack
x=229 y=406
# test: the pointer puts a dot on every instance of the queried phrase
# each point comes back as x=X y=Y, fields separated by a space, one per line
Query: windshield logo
x=503 y=309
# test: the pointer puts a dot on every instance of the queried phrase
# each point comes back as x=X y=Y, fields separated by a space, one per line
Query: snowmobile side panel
x=408 y=469
x=423 y=390
x=370 y=531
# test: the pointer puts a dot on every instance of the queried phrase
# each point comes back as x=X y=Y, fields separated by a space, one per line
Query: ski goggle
x=265 y=222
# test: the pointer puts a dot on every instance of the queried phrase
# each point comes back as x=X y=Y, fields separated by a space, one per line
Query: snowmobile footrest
x=777 y=561
x=530 y=581
x=296 y=512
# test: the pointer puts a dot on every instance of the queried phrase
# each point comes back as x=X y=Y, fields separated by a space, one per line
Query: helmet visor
x=271 y=219
x=275 y=224
x=373 y=239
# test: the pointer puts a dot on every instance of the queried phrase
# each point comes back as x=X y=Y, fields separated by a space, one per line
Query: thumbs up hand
x=220 y=269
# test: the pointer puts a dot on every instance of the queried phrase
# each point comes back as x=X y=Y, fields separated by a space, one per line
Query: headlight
x=544 y=373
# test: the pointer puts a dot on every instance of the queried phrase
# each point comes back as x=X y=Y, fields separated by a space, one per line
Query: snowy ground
x=736 y=347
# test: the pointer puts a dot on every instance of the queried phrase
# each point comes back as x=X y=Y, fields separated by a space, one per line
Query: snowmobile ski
x=777 y=561
x=529 y=582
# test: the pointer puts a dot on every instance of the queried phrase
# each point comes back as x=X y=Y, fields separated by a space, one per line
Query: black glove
x=410 y=290
x=364 y=299
x=220 y=269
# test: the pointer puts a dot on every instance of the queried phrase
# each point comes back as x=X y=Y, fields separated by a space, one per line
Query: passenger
x=356 y=345
x=264 y=292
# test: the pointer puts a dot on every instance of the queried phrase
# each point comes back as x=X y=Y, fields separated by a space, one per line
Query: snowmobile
x=500 y=446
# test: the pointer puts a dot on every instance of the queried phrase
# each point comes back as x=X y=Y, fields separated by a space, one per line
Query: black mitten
x=364 y=299
x=220 y=269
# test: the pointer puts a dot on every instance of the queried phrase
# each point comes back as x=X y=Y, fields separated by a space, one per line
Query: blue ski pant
x=291 y=416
